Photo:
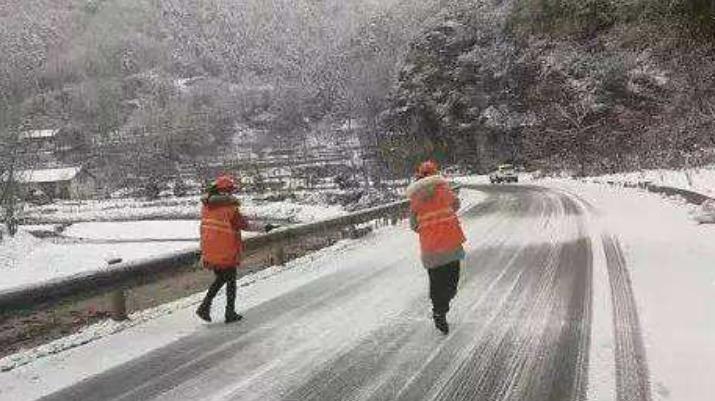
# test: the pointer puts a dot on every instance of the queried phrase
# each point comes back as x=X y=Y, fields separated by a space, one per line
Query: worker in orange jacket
x=221 y=245
x=433 y=207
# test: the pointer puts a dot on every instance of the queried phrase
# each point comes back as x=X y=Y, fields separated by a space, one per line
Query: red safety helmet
x=225 y=183
x=427 y=168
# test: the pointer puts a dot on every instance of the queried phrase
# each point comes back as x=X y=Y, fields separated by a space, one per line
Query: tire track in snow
x=539 y=349
x=632 y=376
x=525 y=336
x=352 y=367
x=372 y=369
x=601 y=369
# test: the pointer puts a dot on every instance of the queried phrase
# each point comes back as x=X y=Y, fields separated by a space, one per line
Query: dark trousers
x=443 y=281
x=227 y=277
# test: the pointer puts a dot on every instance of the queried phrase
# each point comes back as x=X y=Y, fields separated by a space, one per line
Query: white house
x=58 y=183
x=38 y=141
x=49 y=141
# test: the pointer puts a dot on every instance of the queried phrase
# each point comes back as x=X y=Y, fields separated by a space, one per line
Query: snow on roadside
x=108 y=327
x=670 y=259
x=179 y=208
x=26 y=260
x=13 y=249
x=700 y=180
x=292 y=211
x=470 y=198
x=38 y=227
x=471 y=180
x=484 y=179
x=132 y=230
x=110 y=209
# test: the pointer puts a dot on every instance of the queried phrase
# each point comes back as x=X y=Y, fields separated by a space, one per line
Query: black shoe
x=204 y=312
x=233 y=317
x=440 y=322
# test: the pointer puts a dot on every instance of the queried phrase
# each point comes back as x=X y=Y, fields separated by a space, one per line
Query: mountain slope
x=558 y=88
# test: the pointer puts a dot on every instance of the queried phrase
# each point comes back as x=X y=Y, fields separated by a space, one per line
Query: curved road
x=521 y=325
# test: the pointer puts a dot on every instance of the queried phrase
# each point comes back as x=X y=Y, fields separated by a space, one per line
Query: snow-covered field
x=671 y=260
x=25 y=259
x=185 y=207
x=136 y=230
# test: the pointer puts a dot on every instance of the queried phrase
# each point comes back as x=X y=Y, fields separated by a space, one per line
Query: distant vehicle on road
x=504 y=173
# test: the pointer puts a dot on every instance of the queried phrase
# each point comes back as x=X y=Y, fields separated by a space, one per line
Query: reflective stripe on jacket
x=433 y=205
x=436 y=217
x=221 y=226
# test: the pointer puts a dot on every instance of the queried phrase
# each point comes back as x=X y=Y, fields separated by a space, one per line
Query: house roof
x=39 y=134
x=48 y=175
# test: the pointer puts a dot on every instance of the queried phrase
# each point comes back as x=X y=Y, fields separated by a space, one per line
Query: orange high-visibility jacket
x=221 y=226
x=434 y=205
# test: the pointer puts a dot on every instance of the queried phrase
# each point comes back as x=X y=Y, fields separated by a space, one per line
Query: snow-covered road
x=534 y=320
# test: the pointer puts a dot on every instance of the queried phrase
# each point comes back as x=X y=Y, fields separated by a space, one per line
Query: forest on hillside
x=189 y=72
x=587 y=86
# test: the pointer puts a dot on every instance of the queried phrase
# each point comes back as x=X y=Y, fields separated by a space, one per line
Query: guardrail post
x=119 y=306
x=394 y=219
x=279 y=254
x=118 y=299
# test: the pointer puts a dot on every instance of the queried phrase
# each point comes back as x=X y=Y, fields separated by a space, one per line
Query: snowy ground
x=26 y=260
x=670 y=259
x=471 y=180
x=700 y=180
x=136 y=230
x=45 y=369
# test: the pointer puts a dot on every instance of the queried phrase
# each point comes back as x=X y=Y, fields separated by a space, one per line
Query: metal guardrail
x=117 y=278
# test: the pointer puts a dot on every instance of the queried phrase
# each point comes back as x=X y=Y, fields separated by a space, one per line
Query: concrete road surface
x=521 y=325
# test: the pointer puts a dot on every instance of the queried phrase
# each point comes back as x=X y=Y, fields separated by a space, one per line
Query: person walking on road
x=221 y=245
x=433 y=215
